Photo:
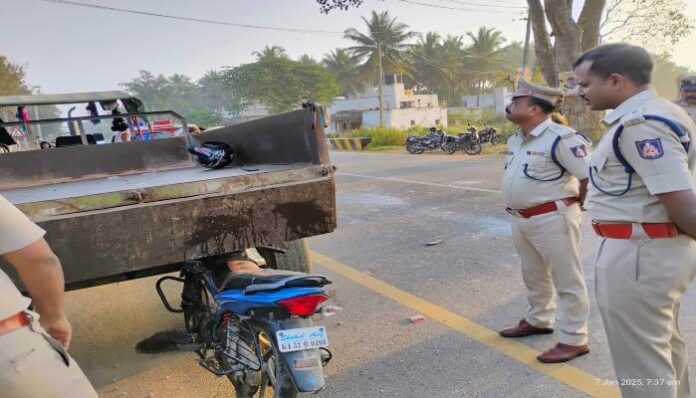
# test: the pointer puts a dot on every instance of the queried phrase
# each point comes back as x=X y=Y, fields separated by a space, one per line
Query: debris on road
x=435 y=242
x=416 y=319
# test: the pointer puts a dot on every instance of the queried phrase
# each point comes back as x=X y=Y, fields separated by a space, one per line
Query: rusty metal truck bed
x=120 y=211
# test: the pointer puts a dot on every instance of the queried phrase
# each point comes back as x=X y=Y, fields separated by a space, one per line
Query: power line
x=448 y=8
x=468 y=3
x=200 y=20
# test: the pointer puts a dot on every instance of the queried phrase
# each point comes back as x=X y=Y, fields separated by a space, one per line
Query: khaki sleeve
x=16 y=230
x=572 y=153
x=658 y=157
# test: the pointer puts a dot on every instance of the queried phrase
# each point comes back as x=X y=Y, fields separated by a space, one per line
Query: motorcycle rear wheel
x=276 y=381
x=473 y=148
x=416 y=151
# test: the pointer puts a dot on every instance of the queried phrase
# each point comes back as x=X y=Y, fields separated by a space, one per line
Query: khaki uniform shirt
x=690 y=109
x=653 y=150
x=16 y=232
x=533 y=153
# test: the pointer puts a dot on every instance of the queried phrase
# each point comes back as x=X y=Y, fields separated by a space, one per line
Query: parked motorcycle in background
x=489 y=135
x=417 y=145
x=466 y=141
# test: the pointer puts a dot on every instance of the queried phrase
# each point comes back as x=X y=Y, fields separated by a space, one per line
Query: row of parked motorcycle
x=470 y=141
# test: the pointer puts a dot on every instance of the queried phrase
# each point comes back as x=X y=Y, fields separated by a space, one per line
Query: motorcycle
x=489 y=135
x=468 y=142
x=253 y=325
x=417 y=145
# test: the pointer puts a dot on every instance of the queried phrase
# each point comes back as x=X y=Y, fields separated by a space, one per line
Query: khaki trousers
x=639 y=284
x=33 y=365
x=549 y=250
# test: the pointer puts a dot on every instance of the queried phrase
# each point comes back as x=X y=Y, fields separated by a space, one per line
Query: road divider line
x=432 y=184
x=564 y=373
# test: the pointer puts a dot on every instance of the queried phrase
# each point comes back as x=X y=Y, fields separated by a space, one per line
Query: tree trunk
x=542 y=43
x=589 y=22
x=570 y=39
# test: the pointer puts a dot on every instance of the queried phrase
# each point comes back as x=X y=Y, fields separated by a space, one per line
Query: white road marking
x=431 y=184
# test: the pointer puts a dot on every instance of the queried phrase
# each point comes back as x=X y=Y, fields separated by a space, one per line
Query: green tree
x=11 y=78
x=281 y=84
x=307 y=59
x=205 y=118
x=270 y=52
x=427 y=69
x=384 y=34
x=484 y=56
x=216 y=95
x=346 y=67
x=176 y=92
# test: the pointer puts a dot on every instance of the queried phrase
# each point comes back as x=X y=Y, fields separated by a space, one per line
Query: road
x=468 y=286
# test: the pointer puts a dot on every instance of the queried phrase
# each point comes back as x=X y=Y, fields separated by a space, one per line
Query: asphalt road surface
x=467 y=287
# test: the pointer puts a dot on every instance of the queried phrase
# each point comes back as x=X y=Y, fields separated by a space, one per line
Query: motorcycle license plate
x=302 y=339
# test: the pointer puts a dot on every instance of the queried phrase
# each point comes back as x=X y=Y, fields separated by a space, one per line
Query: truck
x=124 y=210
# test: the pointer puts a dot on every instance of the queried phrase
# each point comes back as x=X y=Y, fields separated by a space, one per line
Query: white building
x=402 y=108
x=497 y=100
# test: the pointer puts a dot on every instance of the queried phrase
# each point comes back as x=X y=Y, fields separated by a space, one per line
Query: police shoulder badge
x=650 y=148
x=579 y=151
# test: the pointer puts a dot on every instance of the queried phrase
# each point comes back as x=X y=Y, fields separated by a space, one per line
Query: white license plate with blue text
x=302 y=339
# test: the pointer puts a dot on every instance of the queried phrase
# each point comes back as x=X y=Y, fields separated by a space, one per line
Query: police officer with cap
x=33 y=345
x=643 y=205
x=687 y=95
x=544 y=185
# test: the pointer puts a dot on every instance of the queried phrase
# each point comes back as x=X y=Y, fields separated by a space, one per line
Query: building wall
x=395 y=97
x=405 y=118
x=497 y=100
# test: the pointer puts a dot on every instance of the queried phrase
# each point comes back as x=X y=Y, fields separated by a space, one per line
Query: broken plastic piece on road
x=330 y=310
x=435 y=242
x=417 y=319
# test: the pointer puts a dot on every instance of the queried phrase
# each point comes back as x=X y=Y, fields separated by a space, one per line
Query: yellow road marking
x=566 y=374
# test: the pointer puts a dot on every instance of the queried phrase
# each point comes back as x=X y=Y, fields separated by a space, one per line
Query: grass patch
x=494 y=149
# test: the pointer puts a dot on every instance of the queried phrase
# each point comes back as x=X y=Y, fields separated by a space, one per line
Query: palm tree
x=484 y=56
x=427 y=55
x=307 y=59
x=270 y=52
x=346 y=67
x=384 y=45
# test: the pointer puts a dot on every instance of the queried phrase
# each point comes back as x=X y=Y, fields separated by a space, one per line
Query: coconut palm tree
x=484 y=56
x=270 y=52
x=386 y=34
x=383 y=47
x=426 y=57
x=346 y=67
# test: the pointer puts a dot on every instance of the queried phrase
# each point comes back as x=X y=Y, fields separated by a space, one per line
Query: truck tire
x=296 y=256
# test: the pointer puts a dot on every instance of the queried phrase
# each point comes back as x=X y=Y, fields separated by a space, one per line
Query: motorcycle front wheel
x=473 y=149
x=497 y=140
x=274 y=380
x=412 y=149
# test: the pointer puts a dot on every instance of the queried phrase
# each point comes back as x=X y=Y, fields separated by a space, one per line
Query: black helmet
x=213 y=154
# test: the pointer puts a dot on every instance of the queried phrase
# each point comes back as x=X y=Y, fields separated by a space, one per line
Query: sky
x=65 y=48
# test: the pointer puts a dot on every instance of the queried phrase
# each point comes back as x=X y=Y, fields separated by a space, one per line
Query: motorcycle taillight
x=303 y=305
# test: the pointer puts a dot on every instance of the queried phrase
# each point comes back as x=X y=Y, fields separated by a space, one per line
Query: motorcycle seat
x=265 y=279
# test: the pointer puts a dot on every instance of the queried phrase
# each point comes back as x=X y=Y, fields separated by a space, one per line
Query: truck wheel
x=296 y=256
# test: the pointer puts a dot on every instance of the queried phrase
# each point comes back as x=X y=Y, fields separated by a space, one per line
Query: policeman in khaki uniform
x=643 y=205
x=687 y=95
x=34 y=362
x=543 y=185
